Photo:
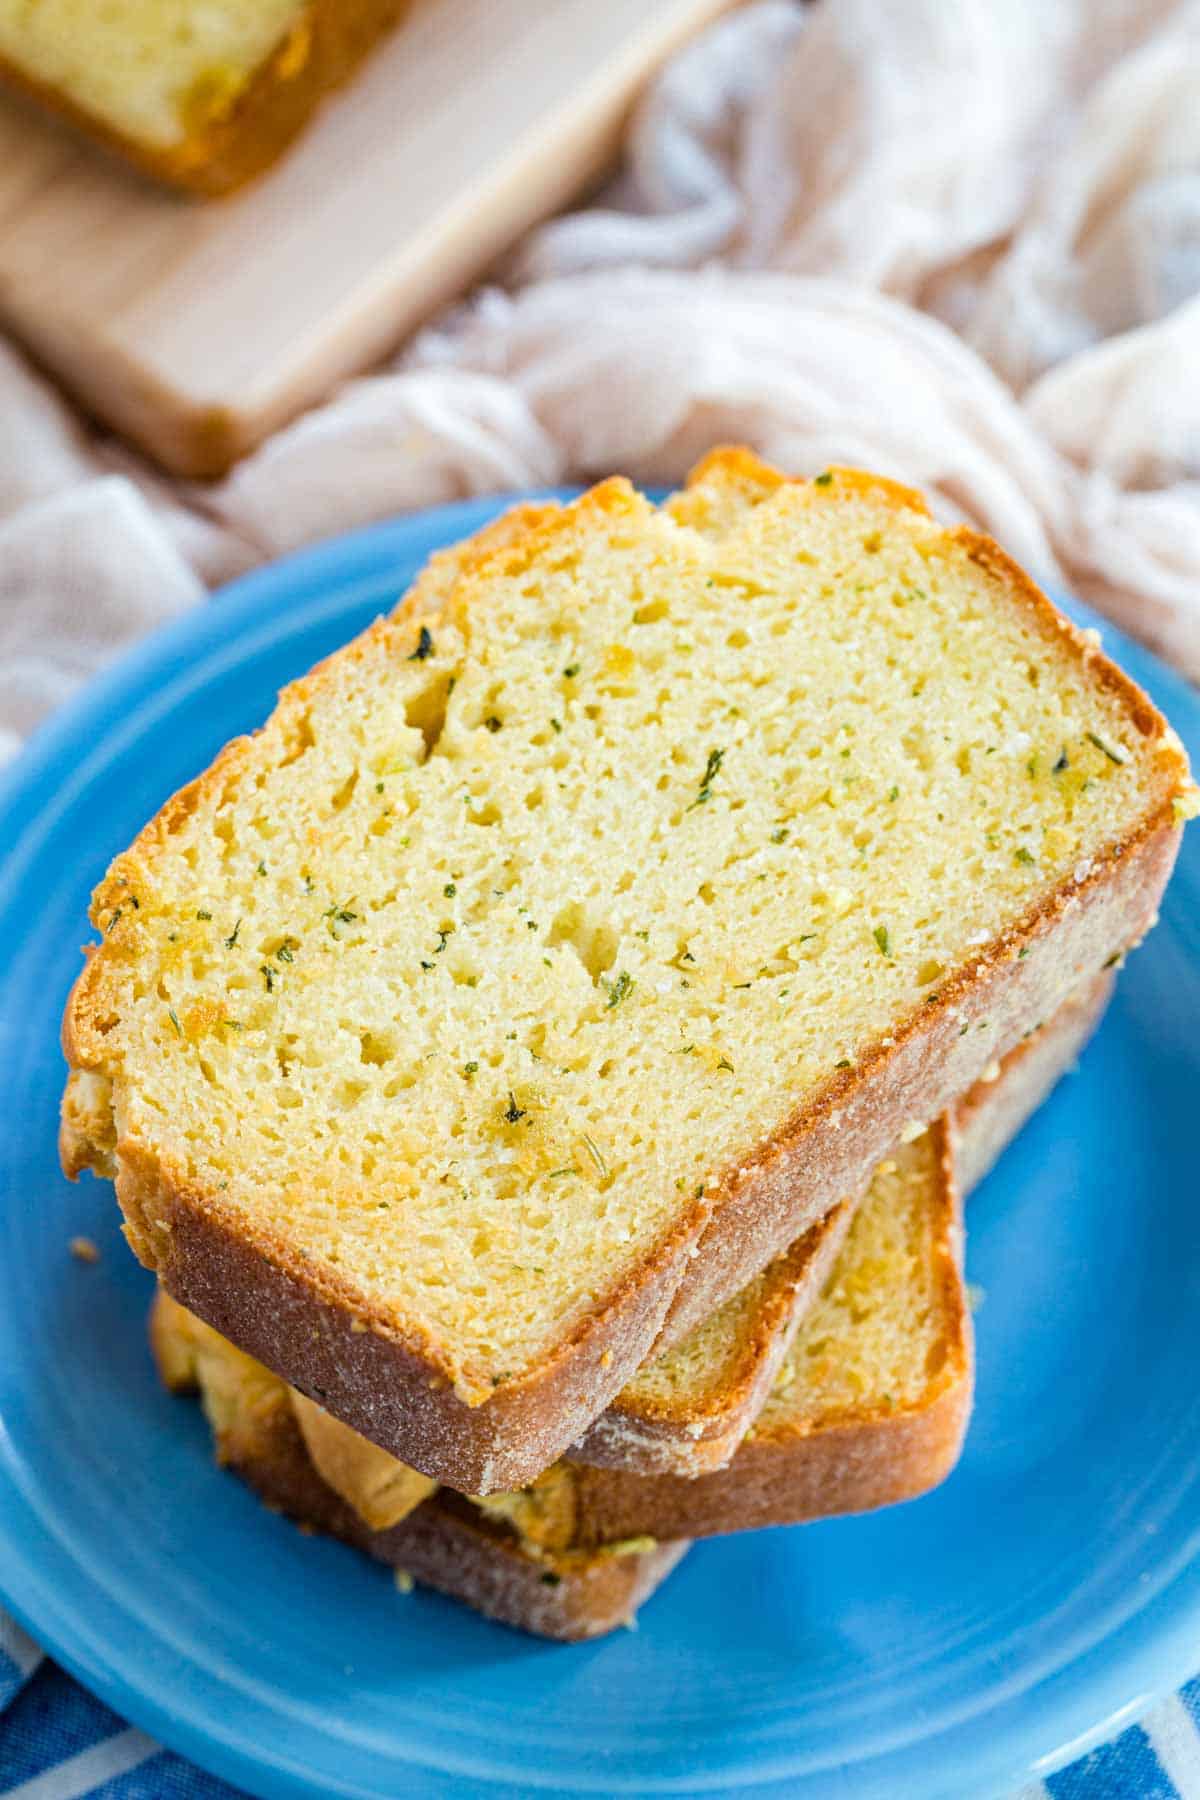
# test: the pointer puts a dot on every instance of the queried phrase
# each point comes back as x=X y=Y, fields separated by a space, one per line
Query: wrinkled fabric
x=959 y=244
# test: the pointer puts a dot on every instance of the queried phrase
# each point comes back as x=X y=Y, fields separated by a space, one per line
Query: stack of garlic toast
x=536 y=1063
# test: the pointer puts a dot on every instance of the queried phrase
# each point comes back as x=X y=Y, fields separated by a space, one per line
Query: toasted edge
x=392 y=1384
x=851 y=1460
x=646 y=1436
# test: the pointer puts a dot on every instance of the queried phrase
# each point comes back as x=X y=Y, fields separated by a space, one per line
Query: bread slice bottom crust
x=448 y=1545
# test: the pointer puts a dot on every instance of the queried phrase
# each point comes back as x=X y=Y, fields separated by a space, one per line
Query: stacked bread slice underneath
x=869 y=1406
x=566 y=947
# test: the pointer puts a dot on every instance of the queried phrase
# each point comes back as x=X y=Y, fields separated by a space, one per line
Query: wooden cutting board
x=197 y=328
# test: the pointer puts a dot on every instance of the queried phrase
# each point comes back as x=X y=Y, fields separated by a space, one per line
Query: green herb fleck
x=268 y=975
x=557 y=1174
x=174 y=1018
x=512 y=1112
x=556 y=724
x=618 y=989
x=449 y=890
x=232 y=939
x=424 y=646
x=893 y=793
x=711 y=770
x=262 y=867
x=549 y=1579
x=1024 y=856
x=336 y=915
x=824 y=479
x=379 y=787
x=880 y=934
x=285 y=951
x=115 y=916
x=571 y=670
x=779 y=835
x=1064 y=762
x=469 y=1069
x=1115 y=755
x=844 y=1064
x=593 y=1151
x=493 y=723
x=725 y=1064
x=202 y=914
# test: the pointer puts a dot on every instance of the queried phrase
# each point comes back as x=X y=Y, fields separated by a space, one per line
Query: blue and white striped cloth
x=58 y=1743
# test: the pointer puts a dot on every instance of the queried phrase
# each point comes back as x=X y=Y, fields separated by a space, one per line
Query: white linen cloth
x=960 y=244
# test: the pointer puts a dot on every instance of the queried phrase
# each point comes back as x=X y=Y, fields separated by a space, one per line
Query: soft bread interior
x=153 y=70
x=888 y=1330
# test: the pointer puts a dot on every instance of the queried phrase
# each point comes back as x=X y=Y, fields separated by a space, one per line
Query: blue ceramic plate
x=955 y=1646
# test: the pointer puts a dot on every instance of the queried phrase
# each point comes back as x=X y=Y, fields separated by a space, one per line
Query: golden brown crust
x=992 y=1112
x=849 y=1466
x=390 y=1380
x=319 y=52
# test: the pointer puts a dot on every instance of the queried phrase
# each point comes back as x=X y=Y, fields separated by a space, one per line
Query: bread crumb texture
x=153 y=70
x=700 y=1367
x=887 y=1329
x=557 y=893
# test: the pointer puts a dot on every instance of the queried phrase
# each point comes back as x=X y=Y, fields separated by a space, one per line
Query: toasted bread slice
x=553 y=959
x=202 y=96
